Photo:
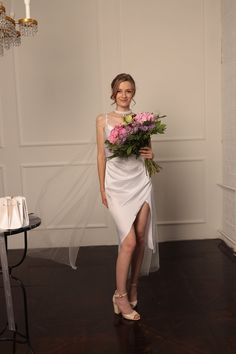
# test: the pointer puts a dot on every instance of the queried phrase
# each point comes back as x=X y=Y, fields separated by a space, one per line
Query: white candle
x=27 y=8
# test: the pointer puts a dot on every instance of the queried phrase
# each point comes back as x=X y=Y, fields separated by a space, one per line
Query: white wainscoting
x=228 y=229
x=58 y=84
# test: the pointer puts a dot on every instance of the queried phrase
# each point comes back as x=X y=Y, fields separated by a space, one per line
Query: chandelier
x=12 y=30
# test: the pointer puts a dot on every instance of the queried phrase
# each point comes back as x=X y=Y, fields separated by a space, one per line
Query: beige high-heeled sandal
x=133 y=316
x=135 y=302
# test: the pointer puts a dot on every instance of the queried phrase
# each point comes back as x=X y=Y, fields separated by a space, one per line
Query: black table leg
x=15 y=336
x=23 y=254
x=7 y=285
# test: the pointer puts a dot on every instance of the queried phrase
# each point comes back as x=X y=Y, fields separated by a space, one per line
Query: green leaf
x=129 y=150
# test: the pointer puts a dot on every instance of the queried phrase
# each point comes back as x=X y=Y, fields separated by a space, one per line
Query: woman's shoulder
x=101 y=120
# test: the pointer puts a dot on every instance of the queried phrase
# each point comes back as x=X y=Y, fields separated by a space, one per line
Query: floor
x=187 y=307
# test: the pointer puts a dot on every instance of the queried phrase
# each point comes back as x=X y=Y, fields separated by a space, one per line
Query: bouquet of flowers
x=133 y=134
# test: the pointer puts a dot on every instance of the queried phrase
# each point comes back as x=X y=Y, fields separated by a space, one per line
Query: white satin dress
x=127 y=188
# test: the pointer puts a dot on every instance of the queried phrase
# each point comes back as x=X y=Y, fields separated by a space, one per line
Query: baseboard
x=229 y=241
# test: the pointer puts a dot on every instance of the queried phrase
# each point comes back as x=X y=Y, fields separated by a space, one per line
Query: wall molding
x=57 y=143
x=204 y=60
x=224 y=186
x=182 y=159
x=3 y=169
x=72 y=227
x=56 y=164
x=49 y=164
x=177 y=139
x=1 y=125
x=159 y=223
x=180 y=222
x=22 y=142
x=190 y=221
x=105 y=226
x=84 y=163
x=23 y=167
x=87 y=142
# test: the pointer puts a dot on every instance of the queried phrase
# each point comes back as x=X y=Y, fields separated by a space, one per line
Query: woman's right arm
x=101 y=158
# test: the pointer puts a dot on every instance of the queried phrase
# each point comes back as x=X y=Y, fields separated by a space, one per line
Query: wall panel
x=66 y=195
x=176 y=177
x=168 y=44
x=61 y=99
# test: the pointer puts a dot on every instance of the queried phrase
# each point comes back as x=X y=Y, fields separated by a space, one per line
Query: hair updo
x=116 y=82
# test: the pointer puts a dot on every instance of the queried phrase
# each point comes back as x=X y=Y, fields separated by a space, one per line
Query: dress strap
x=106 y=118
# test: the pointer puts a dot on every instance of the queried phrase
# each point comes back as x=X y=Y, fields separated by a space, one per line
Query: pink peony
x=144 y=117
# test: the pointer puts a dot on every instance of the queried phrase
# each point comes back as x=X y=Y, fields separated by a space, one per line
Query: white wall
x=228 y=121
x=54 y=85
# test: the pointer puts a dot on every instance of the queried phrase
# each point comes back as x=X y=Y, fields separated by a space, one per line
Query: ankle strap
x=133 y=284
x=120 y=295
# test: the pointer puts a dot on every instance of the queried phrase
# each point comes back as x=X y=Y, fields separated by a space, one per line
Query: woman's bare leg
x=122 y=267
x=137 y=258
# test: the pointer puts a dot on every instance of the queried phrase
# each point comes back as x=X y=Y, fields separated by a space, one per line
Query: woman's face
x=124 y=94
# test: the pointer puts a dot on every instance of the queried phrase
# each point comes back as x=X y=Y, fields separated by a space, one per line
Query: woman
x=126 y=190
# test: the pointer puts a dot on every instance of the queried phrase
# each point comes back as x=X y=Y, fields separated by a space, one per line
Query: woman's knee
x=128 y=245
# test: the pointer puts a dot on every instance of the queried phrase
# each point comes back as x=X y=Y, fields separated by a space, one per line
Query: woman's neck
x=123 y=110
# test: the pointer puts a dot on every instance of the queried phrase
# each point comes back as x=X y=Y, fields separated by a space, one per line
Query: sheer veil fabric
x=75 y=206
x=70 y=207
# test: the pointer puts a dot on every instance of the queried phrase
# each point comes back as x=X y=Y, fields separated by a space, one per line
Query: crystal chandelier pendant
x=1 y=43
x=8 y=33
x=28 y=26
x=2 y=14
x=17 y=41
x=2 y=22
x=1 y=48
